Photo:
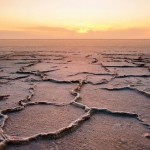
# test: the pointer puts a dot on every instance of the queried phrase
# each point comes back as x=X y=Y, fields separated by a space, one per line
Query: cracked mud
x=74 y=100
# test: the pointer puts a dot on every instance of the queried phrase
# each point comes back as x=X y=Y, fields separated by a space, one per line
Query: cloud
x=45 y=32
x=132 y=33
x=38 y=33
x=47 y=29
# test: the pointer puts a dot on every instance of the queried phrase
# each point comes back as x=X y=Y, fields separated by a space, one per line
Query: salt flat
x=81 y=96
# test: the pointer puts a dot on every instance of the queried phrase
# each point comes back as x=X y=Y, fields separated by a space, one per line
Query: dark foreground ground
x=65 y=100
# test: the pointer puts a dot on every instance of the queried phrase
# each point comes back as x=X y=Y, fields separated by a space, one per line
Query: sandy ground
x=74 y=100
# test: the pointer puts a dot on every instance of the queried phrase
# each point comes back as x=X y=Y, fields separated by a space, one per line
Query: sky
x=74 y=19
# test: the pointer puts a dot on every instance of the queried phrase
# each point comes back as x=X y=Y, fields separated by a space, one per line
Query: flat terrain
x=74 y=100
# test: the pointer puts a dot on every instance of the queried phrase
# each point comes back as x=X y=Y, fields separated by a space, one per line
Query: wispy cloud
x=47 y=29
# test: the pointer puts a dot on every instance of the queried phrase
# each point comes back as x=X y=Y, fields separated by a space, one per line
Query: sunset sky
x=75 y=19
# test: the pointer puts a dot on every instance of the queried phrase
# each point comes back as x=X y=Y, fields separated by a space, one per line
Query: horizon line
x=73 y=39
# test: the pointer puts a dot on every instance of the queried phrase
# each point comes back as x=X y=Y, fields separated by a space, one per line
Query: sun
x=82 y=28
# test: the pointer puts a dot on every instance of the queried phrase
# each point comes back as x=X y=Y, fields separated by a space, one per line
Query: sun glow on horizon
x=75 y=19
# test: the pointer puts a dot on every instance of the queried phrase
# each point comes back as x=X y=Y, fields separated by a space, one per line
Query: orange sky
x=76 y=19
